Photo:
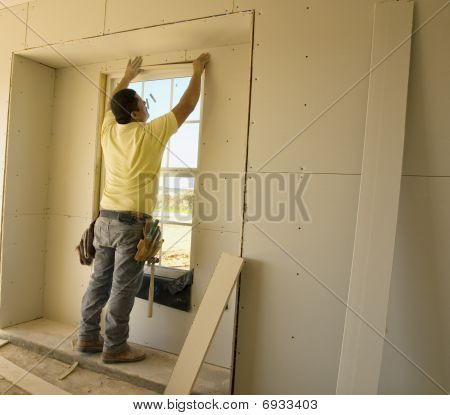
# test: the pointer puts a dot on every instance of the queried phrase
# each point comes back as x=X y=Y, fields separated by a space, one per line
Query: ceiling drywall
x=9 y=3
x=232 y=29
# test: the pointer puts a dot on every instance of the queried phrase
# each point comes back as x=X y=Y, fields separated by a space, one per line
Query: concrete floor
x=54 y=339
x=79 y=382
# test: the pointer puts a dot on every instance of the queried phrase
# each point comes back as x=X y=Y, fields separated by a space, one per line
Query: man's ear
x=133 y=115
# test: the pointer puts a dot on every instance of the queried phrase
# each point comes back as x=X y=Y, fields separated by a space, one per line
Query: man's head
x=127 y=106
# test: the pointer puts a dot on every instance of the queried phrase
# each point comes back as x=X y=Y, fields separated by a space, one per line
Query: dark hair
x=123 y=103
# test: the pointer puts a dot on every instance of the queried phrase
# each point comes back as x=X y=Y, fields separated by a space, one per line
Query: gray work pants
x=117 y=276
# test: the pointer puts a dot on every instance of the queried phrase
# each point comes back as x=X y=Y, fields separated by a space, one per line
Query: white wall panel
x=65 y=278
x=23 y=251
x=11 y=3
x=427 y=142
x=71 y=176
x=29 y=133
x=14 y=41
x=327 y=44
x=290 y=326
x=218 y=31
x=134 y=14
x=419 y=314
x=219 y=200
x=12 y=21
x=54 y=21
x=223 y=136
x=23 y=220
x=224 y=132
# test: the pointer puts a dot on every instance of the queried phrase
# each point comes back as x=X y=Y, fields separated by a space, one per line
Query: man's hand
x=200 y=63
x=190 y=97
x=133 y=68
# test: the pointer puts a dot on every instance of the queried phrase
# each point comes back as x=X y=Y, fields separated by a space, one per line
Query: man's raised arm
x=133 y=68
x=190 y=97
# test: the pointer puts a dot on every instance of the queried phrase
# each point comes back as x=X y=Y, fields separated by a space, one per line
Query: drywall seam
x=365 y=322
x=244 y=208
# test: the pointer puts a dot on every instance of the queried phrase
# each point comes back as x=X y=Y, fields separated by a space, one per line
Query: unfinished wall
x=306 y=55
x=290 y=326
x=26 y=184
x=70 y=198
x=14 y=41
x=73 y=163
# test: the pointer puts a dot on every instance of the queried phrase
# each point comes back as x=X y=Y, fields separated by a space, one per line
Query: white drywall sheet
x=204 y=325
x=232 y=29
x=25 y=197
x=320 y=97
x=75 y=20
x=419 y=312
x=120 y=16
x=373 y=253
x=26 y=380
x=427 y=143
x=14 y=41
x=10 y=3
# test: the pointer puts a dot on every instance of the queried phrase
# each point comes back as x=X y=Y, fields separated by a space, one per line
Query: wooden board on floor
x=27 y=381
x=204 y=325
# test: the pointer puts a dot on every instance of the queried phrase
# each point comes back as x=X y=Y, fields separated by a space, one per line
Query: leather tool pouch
x=85 y=248
x=145 y=247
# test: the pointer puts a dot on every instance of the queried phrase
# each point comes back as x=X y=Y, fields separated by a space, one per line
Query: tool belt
x=149 y=246
x=127 y=217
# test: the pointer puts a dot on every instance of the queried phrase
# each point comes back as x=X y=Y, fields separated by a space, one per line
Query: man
x=132 y=151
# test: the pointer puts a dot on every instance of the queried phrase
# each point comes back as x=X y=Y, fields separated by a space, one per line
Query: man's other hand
x=200 y=63
x=133 y=68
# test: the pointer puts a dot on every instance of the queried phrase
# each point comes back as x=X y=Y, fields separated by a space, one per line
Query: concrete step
x=55 y=339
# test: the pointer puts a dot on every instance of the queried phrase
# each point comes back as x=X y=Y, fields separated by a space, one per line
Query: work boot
x=89 y=346
x=130 y=355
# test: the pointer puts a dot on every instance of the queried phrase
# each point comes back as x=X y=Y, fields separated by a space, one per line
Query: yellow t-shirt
x=132 y=156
